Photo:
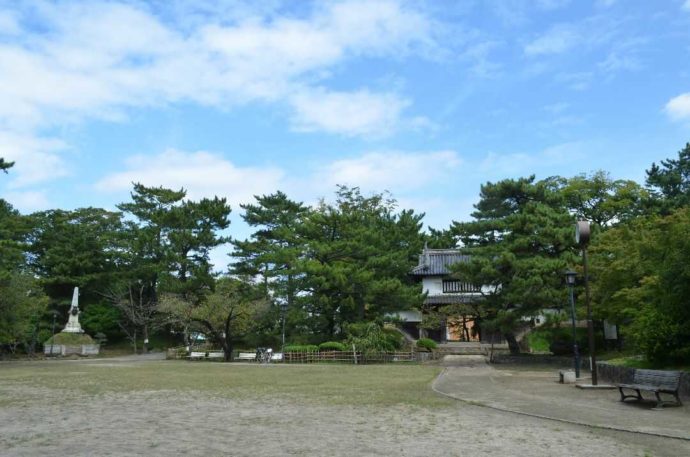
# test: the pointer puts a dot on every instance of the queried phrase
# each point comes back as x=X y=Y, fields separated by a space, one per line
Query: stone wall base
x=64 y=349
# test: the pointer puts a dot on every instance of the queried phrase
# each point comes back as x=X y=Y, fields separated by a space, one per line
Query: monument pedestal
x=72 y=340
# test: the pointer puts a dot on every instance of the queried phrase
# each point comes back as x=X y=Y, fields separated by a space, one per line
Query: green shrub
x=394 y=338
x=369 y=337
x=332 y=346
x=559 y=340
x=301 y=348
x=426 y=343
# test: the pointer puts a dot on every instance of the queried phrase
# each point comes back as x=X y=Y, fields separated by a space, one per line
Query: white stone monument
x=73 y=325
x=72 y=340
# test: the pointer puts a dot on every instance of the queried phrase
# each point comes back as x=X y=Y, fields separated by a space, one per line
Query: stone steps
x=461 y=348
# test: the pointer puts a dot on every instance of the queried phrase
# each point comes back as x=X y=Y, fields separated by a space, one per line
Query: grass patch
x=373 y=385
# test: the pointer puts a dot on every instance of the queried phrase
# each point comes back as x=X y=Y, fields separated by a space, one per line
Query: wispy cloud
x=503 y=165
x=678 y=108
x=351 y=113
x=396 y=171
x=556 y=40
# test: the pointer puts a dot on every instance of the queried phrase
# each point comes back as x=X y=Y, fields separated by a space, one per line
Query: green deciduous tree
x=227 y=315
x=643 y=281
x=602 y=200
x=22 y=304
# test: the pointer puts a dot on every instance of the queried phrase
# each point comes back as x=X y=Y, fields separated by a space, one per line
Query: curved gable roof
x=436 y=262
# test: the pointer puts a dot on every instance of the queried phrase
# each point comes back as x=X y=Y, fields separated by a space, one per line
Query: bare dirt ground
x=39 y=420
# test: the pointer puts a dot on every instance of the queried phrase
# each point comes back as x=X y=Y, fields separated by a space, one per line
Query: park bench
x=200 y=355
x=657 y=381
x=246 y=356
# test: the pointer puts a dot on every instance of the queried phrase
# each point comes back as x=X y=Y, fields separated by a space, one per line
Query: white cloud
x=678 y=108
x=202 y=174
x=556 y=40
x=395 y=171
x=101 y=59
x=36 y=159
x=205 y=174
x=351 y=113
x=28 y=201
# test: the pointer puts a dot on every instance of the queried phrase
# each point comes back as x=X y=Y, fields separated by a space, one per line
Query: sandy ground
x=45 y=423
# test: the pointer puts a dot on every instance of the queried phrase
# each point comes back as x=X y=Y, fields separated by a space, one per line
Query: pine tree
x=520 y=243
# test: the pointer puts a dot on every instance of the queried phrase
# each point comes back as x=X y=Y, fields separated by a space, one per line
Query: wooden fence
x=350 y=357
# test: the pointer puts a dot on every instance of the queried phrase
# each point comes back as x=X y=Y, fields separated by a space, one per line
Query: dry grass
x=384 y=385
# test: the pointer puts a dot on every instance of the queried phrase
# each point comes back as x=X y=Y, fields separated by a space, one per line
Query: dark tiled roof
x=435 y=262
x=450 y=299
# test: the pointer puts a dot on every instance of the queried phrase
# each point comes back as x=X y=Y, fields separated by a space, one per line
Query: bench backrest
x=660 y=378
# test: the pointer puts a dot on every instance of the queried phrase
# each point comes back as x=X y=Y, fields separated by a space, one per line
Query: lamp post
x=570 y=276
x=283 y=309
x=52 y=339
x=582 y=234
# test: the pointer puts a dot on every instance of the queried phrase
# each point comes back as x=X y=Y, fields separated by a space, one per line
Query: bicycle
x=263 y=355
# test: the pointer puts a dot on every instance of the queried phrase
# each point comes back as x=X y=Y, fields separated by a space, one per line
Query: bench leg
x=638 y=397
x=660 y=403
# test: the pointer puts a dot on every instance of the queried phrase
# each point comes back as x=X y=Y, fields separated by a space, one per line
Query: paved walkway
x=537 y=392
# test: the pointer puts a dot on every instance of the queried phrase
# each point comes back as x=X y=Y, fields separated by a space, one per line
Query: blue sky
x=425 y=99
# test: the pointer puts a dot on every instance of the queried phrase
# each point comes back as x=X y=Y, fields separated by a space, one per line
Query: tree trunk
x=133 y=338
x=512 y=343
x=227 y=351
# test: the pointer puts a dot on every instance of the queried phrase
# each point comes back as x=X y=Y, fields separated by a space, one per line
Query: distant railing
x=351 y=357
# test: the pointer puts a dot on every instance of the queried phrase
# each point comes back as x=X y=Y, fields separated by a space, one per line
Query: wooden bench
x=657 y=381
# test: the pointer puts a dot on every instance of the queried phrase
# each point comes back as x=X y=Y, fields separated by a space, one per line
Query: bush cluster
x=332 y=346
x=301 y=348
